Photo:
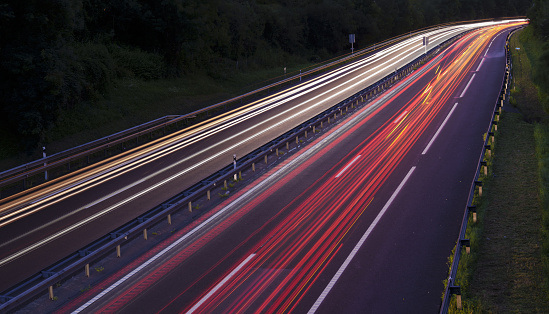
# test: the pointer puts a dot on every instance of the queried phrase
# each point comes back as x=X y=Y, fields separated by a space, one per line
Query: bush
x=134 y=62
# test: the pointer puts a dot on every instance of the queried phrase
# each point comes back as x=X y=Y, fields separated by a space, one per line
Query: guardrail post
x=321 y=124
x=473 y=209
x=478 y=184
x=305 y=133
x=208 y=195
x=288 y=145
x=488 y=150
x=170 y=216
x=50 y=289
x=145 y=234
x=495 y=123
x=87 y=270
x=118 y=251
x=296 y=140
x=253 y=165
x=457 y=291
x=240 y=175
x=314 y=129
x=265 y=162
x=492 y=137
x=277 y=151
x=190 y=207
x=225 y=184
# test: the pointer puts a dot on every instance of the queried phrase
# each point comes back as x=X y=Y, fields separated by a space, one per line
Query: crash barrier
x=38 y=172
x=470 y=215
x=46 y=280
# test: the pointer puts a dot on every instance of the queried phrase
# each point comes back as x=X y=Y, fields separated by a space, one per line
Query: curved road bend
x=43 y=224
x=363 y=224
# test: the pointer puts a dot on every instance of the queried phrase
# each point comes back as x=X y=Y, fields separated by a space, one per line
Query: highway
x=361 y=222
x=50 y=221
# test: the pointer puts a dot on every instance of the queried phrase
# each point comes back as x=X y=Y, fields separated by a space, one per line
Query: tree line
x=57 y=54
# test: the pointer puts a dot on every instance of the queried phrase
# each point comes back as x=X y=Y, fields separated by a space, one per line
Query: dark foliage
x=56 y=54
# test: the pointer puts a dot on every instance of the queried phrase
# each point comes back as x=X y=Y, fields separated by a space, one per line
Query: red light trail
x=276 y=274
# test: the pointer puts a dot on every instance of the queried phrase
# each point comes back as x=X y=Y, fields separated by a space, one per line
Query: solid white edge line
x=467 y=87
x=220 y=284
x=347 y=261
x=348 y=165
x=439 y=129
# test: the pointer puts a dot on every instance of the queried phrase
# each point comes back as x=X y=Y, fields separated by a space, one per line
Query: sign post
x=425 y=43
x=234 y=166
x=352 y=41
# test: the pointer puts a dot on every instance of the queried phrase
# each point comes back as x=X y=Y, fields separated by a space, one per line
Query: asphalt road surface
x=48 y=222
x=363 y=221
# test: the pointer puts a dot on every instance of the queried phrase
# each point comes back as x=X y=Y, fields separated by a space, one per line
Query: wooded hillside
x=57 y=54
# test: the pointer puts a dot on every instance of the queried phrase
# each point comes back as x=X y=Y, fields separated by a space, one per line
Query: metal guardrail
x=452 y=288
x=45 y=280
x=20 y=178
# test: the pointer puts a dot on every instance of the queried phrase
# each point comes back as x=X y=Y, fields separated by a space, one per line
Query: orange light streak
x=291 y=256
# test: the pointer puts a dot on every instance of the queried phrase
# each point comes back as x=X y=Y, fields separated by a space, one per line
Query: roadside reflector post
x=495 y=123
x=253 y=166
x=314 y=128
x=118 y=250
x=492 y=137
x=234 y=166
x=190 y=207
x=297 y=139
x=488 y=150
x=265 y=158
x=50 y=289
x=240 y=175
x=478 y=184
x=145 y=234
x=457 y=291
x=225 y=184
x=305 y=133
x=170 y=215
x=321 y=124
x=288 y=145
x=87 y=270
x=277 y=151
x=208 y=195
x=473 y=210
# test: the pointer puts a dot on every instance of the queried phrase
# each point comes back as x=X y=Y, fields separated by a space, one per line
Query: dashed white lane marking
x=359 y=245
x=220 y=284
x=439 y=129
x=348 y=165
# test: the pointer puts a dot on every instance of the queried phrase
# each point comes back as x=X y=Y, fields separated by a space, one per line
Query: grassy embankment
x=507 y=270
x=133 y=101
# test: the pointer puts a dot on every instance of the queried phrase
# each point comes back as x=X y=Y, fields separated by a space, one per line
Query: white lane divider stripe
x=220 y=284
x=347 y=261
x=348 y=165
x=466 y=87
x=400 y=117
x=439 y=129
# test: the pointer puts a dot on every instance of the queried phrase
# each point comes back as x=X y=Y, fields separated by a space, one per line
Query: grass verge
x=508 y=265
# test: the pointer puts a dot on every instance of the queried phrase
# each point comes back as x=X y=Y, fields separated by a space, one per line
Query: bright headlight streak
x=122 y=169
x=331 y=96
x=143 y=158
